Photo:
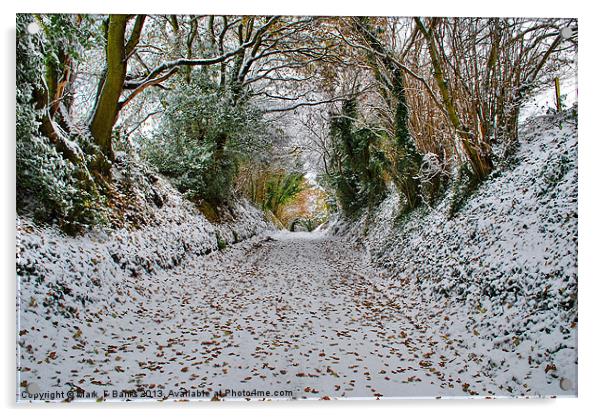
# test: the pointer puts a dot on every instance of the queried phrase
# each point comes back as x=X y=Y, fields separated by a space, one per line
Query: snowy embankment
x=501 y=275
x=173 y=229
x=45 y=253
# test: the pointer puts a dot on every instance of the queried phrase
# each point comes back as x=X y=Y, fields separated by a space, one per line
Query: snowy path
x=295 y=312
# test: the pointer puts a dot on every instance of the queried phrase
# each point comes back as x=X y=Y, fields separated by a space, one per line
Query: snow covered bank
x=45 y=252
x=501 y=275
x=160 y=227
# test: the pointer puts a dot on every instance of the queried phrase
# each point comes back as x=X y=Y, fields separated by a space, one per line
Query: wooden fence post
x=558 y=103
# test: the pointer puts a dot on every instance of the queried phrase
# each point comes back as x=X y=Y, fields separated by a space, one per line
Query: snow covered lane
x=294 y=315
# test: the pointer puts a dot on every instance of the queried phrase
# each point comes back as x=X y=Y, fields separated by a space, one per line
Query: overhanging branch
x=157 y=81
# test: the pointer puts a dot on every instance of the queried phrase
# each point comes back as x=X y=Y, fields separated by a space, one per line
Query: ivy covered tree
x=53 y=181
x=355 y=170
x=280 y=189
x=405 y=166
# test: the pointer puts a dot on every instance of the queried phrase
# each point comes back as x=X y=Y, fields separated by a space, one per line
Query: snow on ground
x=295 y=314
x=500 y=277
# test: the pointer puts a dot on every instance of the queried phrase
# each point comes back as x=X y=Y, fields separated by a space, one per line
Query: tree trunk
x=107 y=105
